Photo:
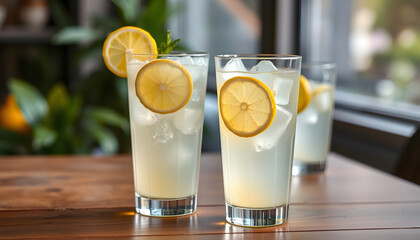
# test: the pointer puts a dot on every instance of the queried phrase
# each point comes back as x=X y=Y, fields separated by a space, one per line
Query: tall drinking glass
x=313 y=129
x=166 y=146
x=258 y=97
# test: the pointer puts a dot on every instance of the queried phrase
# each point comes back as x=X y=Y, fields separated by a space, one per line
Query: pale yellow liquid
x=167 y=167
x=257 y=170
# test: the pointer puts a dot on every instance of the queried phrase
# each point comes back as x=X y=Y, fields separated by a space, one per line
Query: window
x=376 y=46
x=217 y=27
x=375 y=43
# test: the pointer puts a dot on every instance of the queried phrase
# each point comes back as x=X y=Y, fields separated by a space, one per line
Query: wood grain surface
x=207 y=220
x=388 y=234
x=93 y=197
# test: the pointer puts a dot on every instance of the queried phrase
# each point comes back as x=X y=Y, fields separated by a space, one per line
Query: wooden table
x=93 y=197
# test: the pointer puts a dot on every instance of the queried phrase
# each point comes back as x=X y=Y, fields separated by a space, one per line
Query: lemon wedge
x=163 y=86
x=246 y=105
x=125 y=39
x=304 y=94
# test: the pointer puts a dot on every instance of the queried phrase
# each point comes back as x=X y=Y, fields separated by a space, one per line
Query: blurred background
x=57 y=97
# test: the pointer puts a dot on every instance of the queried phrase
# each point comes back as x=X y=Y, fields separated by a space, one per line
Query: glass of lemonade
x=258 y=97
x=166 y=99
x=313 y=129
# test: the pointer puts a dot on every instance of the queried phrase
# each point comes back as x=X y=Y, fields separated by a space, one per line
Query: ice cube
x=162 y=132
x=323 y=100
x=138 y=113
x=269 y=138
x=187 y=60
x=196 y=72
x=188 y=120
x=309 y=115
x=142 y=116
x=282 y=87
x=263 y=66
x=235 y=65
x=200 y=61
x=196 y=96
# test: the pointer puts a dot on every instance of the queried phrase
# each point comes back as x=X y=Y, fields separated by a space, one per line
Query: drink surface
x=167 y=147
x=313 y=127
x=257 y=170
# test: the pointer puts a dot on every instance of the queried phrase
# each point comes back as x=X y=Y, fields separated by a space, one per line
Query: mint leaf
x=167 y=46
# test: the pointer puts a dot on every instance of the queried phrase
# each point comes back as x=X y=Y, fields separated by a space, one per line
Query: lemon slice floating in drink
x=125 y=39
x=246 y=105
x=163 y=86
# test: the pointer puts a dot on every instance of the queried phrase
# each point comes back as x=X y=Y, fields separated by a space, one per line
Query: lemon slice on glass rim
x=163 y=86
x=123 y=40
x=247 y=106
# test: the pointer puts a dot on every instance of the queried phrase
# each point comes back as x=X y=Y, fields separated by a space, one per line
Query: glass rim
x=258 y=56
x=173 y=54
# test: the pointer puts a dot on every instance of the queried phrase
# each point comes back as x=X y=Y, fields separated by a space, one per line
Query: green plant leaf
x=128 y=10
x=31 y=102
x=65 y=121
x=73 y=35
x=173 y=44
x=43 y=137
x=73 y=109
x=57 y=97
x=167 y=45
x=64 y=111
x=106 y=139
x=108 y=117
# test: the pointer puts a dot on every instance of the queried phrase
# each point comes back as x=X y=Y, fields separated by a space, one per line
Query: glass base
x=166 y=207
x=300 y=168
x=246 y=217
